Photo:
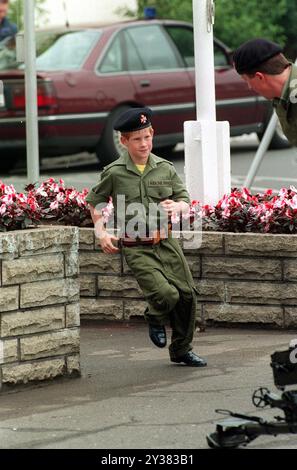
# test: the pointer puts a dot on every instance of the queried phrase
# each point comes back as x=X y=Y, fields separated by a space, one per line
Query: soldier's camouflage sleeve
x=179 y=190
x=102 y=191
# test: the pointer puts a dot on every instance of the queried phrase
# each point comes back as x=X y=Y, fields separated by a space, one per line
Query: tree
x=236 y=21
x=288 y=22
x=171 y=9
x=239 y=20
x=16 y=11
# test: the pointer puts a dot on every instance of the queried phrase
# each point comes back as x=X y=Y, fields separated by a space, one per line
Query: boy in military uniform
x=266 y=70
x=155 y=257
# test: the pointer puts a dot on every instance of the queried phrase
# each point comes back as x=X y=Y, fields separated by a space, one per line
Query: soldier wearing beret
x=155 y=258
x=266 y=70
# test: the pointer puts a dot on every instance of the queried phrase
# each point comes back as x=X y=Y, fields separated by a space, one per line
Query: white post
x=207 y=142
x=31 y=93
x=204 y=61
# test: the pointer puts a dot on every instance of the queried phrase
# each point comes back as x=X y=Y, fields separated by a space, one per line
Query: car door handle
x=145 y=83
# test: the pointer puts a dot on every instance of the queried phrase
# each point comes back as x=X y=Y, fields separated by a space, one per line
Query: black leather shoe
x=158 y=335
x=191 y=359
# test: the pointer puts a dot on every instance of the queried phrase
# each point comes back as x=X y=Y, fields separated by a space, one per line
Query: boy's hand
x=171 y=206
x=106 y=243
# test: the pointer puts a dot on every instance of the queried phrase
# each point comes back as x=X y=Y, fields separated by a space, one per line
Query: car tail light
x=46 y=97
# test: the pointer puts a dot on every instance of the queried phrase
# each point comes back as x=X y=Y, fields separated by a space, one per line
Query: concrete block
x=86 y=238
x=32 y=321
x=261 y=293
x=73 y=365
x=47 y=240
x=34 y=268
x=33 y=371
x=99 y=263
x=230 y=313
x=88 y=284
x=134 y=309
x=101 y=309
x=210 y=290
x=9 y=298
x=50 y=344
x=49 y=292
x=116 y=286
x=260 y=244
x=241 y=268
x=72 y=315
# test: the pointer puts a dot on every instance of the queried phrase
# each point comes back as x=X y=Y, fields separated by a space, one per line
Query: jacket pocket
x=159 y=193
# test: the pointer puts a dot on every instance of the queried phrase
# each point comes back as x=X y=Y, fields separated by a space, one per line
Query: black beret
x=134 y=119
x=253 y=53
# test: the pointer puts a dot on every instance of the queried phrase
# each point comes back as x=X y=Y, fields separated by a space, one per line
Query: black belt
x=138 y=242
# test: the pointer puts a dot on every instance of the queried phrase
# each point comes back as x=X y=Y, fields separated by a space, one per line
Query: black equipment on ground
x=239 y=429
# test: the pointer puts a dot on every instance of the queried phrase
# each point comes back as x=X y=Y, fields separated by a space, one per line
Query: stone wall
x=39 y=305
x=241 y=279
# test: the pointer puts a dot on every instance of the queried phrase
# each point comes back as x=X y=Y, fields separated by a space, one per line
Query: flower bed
x=64 y=205
x=50 y=201
x=242 y=211
x=239 y=211
x=17 y=210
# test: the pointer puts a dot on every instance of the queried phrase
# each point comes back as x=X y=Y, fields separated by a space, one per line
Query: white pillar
x=207 y=142
x=204 y=61
x=31 y=93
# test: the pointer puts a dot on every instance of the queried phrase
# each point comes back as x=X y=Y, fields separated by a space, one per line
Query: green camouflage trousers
x=165 y=279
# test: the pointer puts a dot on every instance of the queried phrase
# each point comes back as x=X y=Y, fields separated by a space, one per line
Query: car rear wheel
x=109 y=147
x=279 y=140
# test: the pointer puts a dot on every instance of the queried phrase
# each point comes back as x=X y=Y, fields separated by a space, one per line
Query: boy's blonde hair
x=127 y=135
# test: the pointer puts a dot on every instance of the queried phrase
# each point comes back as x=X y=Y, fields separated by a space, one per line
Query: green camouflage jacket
x=286 y=107
x=158 y=182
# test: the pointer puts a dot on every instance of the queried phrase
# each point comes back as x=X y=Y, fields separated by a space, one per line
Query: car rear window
x=54 y=50
x=183 y=38
x=67 y=51
x=139 y=48
x=152 y=49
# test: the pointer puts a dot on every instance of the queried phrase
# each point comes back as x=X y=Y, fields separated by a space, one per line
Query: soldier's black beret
x=253 y=53
x=134 y=119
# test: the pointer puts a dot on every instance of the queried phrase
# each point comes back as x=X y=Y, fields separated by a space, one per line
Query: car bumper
x=56 y=133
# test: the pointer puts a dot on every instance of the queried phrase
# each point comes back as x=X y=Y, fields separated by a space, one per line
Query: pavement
x=82 y=170
x=131 y=397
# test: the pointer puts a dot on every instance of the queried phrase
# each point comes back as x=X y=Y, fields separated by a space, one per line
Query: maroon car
x=87 y=76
